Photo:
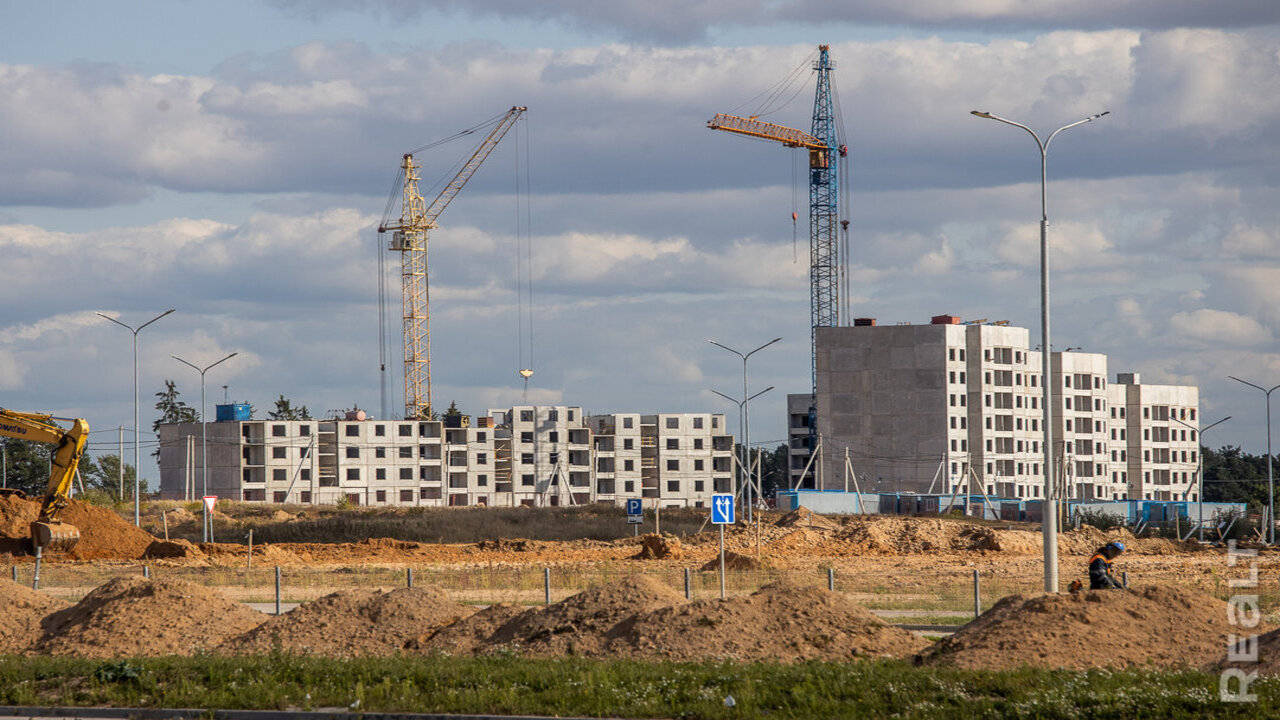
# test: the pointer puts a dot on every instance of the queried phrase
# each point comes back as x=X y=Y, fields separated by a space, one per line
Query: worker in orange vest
x=1100 y=577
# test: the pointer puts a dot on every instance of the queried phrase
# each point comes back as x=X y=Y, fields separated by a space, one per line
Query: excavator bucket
x=54 y=537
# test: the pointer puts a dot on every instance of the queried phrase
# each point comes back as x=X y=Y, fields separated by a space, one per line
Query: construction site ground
x=887 y=570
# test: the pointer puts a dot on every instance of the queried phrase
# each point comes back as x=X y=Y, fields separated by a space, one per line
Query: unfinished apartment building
x=1157 y=432
x=952 y=406
x=521 y=456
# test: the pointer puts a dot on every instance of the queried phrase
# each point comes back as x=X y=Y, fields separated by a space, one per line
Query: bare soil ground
x=1167 y=620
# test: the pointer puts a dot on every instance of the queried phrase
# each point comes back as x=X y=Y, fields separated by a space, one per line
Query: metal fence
x=936 y=598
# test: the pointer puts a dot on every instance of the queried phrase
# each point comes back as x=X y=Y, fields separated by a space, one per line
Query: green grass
x=573 y=686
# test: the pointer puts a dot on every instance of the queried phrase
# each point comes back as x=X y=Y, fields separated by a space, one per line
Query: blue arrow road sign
x=634 y=507
x=721 y=509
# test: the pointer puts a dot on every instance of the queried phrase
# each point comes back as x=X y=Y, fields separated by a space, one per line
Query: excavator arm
x=47 y=531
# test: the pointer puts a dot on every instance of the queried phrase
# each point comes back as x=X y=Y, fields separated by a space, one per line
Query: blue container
x=235 y=412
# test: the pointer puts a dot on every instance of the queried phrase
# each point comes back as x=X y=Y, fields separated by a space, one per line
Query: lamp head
x=982 y=114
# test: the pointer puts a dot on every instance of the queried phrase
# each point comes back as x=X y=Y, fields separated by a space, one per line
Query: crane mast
x=409 y=237
x=823 y=145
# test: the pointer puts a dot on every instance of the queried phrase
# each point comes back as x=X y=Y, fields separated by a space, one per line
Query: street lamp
x=1271 y=485
x=1200 y=467
x=204 y=456
x=137 y=470
x=1049 y=525
x=745 y=470
x=744 y=416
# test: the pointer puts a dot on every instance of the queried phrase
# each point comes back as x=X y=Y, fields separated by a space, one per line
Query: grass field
x=510 y=684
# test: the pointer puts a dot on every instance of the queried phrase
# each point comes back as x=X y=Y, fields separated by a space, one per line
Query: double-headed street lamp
x=744 y=414
x=1049 y=525
x=204 y=455
x=1271 y=485
x=1200 y=467
x=745 y=470
x=137 y=470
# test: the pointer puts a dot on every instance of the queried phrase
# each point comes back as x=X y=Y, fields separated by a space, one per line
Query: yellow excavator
x=47 y=532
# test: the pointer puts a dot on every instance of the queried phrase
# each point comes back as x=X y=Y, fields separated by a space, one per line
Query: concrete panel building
x=526 y=455
x=952 y=406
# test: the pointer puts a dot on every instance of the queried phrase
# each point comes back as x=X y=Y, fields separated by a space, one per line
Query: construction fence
x=941 y=598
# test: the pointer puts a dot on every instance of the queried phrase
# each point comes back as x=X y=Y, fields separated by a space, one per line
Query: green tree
x=104 y=474
x=285 y=411
x=1232 y=475
x=172 y=410
x=26 y=465
x=453 y=411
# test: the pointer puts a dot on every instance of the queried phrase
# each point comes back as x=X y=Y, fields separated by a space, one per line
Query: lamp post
x=744 y=418
x=204 y=456
x=1049 y=524
x=1271 y=485
x=137 y=470
x=1200 y=466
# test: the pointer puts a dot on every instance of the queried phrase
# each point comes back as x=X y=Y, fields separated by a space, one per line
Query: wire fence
x=939 y=597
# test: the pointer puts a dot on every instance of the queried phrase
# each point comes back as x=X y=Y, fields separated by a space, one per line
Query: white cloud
x=1218 y=327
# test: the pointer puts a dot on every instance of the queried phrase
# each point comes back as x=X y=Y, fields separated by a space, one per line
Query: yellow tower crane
x=409 y=237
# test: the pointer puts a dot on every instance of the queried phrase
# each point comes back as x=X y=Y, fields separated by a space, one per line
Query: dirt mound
x=264 y=554
x=659 y=547
x=732 y=561
x=1158 y=625
x=583 y=623
x=469 y=634
x=353 y=623
x=508 y=545
x=797 y=541
x=104 y=535
x=1268 y=653
x=23 y=609
x=131 y=617
x=804 y=517
x=778 y=622
x=169 y=549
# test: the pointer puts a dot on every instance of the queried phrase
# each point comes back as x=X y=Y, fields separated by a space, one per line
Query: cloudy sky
x=233 y=160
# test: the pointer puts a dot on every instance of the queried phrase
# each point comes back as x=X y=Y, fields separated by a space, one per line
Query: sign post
x=722 y=514
x=635 y=514
x=209 y=502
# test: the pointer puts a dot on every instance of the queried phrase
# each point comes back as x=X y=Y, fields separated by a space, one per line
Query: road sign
x=721 y=509
x=635 y=511
x=209 y=502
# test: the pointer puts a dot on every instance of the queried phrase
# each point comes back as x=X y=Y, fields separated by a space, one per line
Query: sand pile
x=104 y=535
x=583 y=623
x=804 y=517
x=1268 y=653
x=1158 y=625
x=130 y=617
x=353 y=623
x=470 y=634
x=732 y=561
x=21 y=610
x=264 y=554
x=659 y=547
x=777 y=622
x=172 y=549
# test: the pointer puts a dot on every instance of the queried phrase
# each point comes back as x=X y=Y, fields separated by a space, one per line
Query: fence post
x=408 y=576
x=146 y=571
x=1124 y=579
x=277 y=589
x=546 y=584
x=688 y=585
x=831 y=579
x=977 y=595
x=15 y=573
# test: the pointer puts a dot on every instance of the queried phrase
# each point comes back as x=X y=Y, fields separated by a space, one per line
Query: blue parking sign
x=722 y=510
x=634 y=506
